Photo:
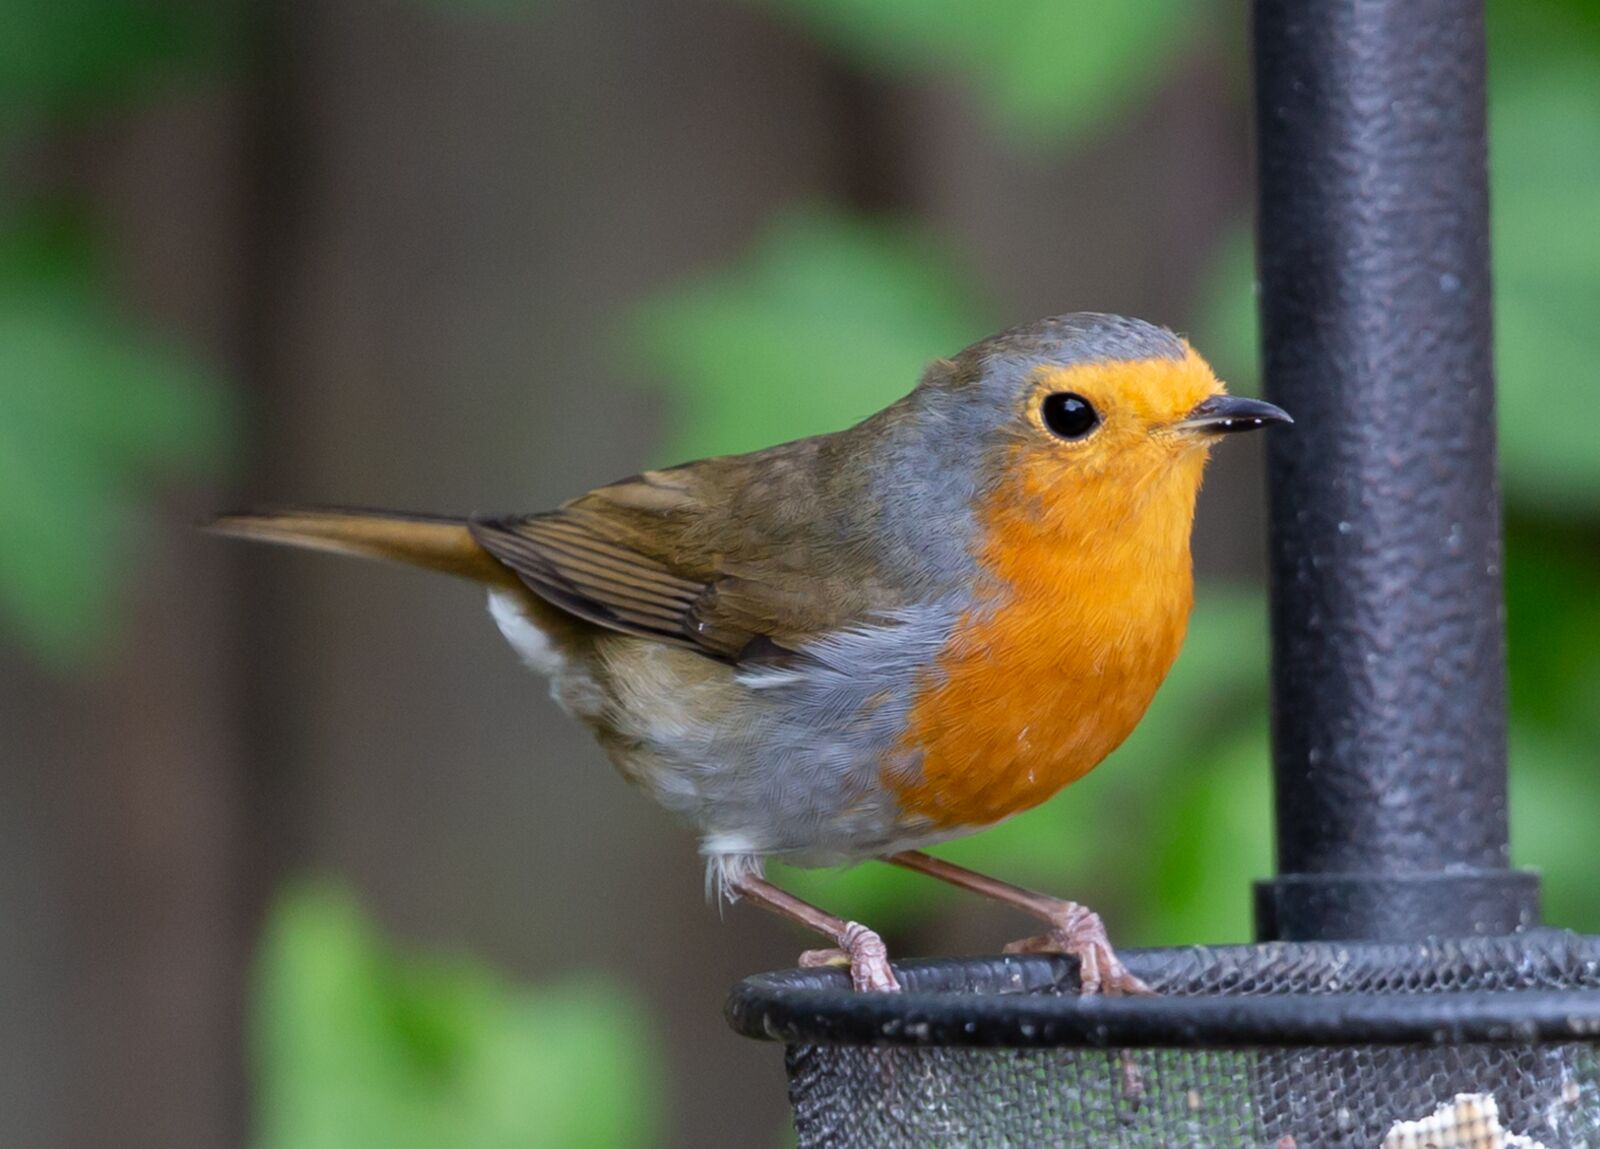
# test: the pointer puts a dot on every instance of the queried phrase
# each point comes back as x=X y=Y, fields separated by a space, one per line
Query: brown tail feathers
x=434 y=542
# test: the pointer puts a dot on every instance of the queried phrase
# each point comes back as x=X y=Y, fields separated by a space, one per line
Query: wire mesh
x=1476 y=1044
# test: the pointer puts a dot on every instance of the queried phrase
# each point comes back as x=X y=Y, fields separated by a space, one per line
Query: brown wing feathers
x=608 y=583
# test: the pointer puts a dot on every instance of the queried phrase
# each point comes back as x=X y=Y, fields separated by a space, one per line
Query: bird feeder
x=1402 y=994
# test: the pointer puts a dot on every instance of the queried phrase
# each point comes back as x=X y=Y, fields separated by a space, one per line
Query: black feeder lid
x=1539 y=986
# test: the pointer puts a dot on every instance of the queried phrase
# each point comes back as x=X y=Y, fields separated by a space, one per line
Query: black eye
x=1068 y=415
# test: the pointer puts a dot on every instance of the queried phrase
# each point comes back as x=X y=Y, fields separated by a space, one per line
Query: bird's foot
x=866 y=955
x=1077 y=931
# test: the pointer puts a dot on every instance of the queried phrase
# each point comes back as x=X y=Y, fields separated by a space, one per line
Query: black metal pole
x=1388 y=633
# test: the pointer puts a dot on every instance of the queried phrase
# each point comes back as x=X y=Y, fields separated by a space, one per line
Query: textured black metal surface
x=1393 y=907
x=1540 y=985
x=1389 y=691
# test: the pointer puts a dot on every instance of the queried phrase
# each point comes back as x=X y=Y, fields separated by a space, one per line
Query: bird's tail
x=435 y=542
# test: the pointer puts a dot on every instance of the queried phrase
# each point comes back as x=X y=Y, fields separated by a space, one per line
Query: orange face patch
x=1086 y=546
x=1138 y=403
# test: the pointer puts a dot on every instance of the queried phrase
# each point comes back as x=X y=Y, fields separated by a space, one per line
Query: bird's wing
x=567 y=562
x=715 y=556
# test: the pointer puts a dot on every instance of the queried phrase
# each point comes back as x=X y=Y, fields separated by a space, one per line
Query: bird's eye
x=1068 y=415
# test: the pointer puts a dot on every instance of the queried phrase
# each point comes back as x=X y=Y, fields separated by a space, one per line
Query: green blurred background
x=292 y=852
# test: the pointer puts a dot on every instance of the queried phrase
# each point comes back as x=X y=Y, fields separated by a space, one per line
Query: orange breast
x=1052 y=669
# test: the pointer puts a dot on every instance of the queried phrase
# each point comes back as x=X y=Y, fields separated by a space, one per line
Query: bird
x=861 y=644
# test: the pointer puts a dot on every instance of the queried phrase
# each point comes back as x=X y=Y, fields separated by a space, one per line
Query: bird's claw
x=866 y=956
x=1078 y=932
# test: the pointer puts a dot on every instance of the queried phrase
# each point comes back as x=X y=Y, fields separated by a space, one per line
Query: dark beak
x=1225 y=414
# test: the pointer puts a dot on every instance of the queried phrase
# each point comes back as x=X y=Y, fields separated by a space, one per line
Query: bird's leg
x=861 y=947
x=1074 y=929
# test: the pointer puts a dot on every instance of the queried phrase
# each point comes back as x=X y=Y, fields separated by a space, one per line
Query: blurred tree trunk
x=122 y=827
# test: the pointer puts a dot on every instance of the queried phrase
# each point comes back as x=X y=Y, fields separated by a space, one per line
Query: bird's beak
x=1225 y=414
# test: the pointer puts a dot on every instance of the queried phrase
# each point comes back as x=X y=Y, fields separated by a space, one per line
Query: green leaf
x=1545 y=138
x=356 y=1045
x=1211 y=840
x=1227 y=327
x=825 y=321
x=1553 y=784
x=1553 y=625
x=90 y=414
x=56 y=53
x=1046 y=69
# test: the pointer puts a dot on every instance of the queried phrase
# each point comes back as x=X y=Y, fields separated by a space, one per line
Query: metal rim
x=1031 y=1002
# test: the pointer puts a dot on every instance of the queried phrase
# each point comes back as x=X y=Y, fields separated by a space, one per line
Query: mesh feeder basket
x=1475 y=1044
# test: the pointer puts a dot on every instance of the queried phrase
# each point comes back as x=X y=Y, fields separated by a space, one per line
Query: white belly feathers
x=763 y=761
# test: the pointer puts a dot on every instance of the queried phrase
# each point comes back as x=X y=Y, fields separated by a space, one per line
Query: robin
x=857 y=645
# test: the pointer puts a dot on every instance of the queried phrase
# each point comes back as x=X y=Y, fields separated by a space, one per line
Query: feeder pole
x=1389 y=741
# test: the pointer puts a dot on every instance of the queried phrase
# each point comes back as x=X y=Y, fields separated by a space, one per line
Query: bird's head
x=1093 y=412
